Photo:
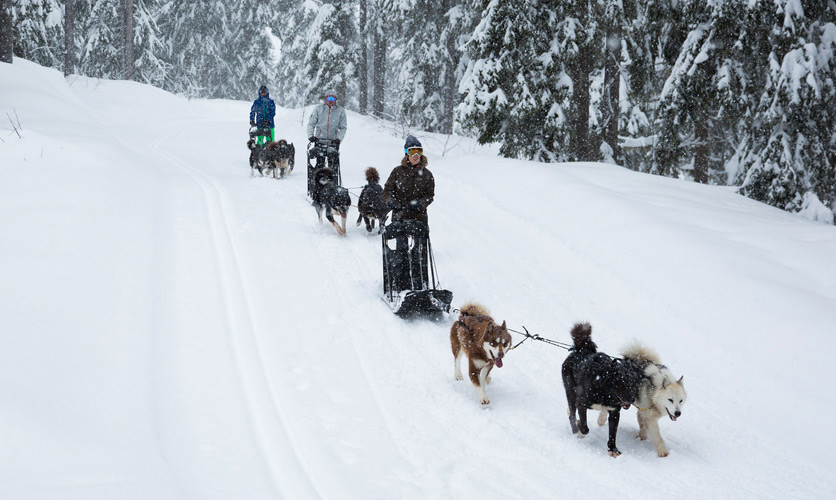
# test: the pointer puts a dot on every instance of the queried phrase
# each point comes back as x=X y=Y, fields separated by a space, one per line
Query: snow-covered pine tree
x=99 y=32
x=789 y=157
x=515 y=88
x=711 y=89
x=428 y=66
x=39 y=31
x=330 y=58
x=149 y=47
x=291 y=26
x=687 y=88
x=200 y=36
x=257 y=57
x=653 y=34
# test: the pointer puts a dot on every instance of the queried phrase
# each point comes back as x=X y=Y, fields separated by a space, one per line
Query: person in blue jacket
x=262 y=113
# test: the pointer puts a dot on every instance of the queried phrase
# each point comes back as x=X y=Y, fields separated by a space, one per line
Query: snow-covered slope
x=173 y=328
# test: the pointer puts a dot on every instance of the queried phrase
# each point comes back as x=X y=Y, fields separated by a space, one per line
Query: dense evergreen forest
x=728 y=92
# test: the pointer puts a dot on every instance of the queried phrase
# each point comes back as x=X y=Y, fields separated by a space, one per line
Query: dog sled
x=322 y=152
x=278 y=157
x=410 y=286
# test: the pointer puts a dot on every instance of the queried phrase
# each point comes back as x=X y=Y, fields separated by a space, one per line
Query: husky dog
x=485 y=343
x=280 y=157
x=371 y=205
x=273 y=158
x=330 y=197
x=258 y=157
x=596 y=380
x=659 y=394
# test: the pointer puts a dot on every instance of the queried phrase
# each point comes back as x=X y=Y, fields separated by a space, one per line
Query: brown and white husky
x=485 y=343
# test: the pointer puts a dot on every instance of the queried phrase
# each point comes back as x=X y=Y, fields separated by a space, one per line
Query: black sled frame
x=322 y=152
x=409 y=275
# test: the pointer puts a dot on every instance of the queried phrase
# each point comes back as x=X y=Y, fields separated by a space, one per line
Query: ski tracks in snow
x=290 y=475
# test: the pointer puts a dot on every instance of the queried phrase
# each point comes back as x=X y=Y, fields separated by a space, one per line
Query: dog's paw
x=641 y=435
x=663 y=454
x=486 y=401
x=458 y=376
x=602 y=418
x=488 y=380
x=614 y=453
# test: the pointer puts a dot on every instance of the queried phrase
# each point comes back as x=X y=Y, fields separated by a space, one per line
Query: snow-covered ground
x=173 y=328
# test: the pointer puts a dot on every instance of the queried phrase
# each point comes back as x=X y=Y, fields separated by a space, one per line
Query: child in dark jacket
x=371 y=206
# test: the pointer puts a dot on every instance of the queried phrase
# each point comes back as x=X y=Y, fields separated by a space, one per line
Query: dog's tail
x=640 y=353
x=372 y=175
x=474 y=309
x=582 y=337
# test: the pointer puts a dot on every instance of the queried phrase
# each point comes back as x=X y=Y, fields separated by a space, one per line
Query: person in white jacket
x=327 y=125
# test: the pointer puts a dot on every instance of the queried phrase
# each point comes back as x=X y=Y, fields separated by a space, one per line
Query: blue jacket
x=263 y=109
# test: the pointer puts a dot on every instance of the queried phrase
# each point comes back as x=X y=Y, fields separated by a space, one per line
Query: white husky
x=660 y=394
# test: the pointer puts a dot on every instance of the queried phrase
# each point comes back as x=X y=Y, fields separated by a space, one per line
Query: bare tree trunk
x=69 y=37
x=449 y=94
x=128 y=39
x=580 y=71
x=7 y=39
x=379 y=73
x=701 y=152
x=612 y=76
x=450 y=91
x=363 y=63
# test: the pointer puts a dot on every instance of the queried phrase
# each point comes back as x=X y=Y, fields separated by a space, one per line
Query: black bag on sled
x=409 y=275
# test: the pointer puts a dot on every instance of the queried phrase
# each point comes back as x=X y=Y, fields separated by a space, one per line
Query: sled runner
x=321 y=153
x=409 y=274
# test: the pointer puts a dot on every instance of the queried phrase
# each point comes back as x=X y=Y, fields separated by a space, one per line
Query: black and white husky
x=595 y=380
x=330 y=197
x=273 y=158
x=660 y=394
x=371 y=205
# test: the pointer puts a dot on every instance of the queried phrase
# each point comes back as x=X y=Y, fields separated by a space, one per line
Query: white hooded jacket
x=327 y=122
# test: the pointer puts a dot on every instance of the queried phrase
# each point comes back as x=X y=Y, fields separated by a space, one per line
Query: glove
x=311 y=139
x=394 y=205
x=336 y=143
x=417 y=205
x=265 y=124
x=252 y=123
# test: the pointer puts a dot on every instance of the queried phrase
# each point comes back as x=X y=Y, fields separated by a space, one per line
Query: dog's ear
x=503 y=325
x=680 y=381
x=664 y=382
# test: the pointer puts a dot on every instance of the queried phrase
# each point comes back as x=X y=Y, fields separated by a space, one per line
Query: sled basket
x=409 y=276
x=259 y=131
x=421 y=303
x=322 y=152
